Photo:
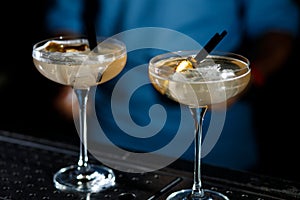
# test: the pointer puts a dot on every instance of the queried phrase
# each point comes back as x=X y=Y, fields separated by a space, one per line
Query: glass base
x=186 y=195
x=89 y=179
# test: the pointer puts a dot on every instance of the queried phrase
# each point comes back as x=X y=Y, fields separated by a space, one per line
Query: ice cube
x=186 y=75
x=186 y=72
x=227 y=73
x=214 y=72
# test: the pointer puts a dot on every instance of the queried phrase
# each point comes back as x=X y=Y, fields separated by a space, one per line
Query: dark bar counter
x=27 y=165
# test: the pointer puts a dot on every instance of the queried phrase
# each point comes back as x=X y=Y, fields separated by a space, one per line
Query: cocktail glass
x=220 y=77
x=68 y=60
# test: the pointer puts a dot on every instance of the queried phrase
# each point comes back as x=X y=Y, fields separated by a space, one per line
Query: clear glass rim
x=182 y=53
x=121 y=50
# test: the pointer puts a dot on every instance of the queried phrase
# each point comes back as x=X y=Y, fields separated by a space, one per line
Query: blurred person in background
x=275 y=111
x=263 y=31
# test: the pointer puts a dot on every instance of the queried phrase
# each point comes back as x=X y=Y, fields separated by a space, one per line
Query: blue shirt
x=198 y=20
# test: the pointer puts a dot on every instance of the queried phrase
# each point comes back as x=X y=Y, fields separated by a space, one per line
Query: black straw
x=211 y=44
x=90 y=10
x=91 y=35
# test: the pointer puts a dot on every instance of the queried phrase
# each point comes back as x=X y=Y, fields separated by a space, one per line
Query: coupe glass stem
x=82 y=97
x=198 y=116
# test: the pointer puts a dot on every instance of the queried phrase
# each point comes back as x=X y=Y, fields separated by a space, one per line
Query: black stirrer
x=91 y=35
x=211 y=44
